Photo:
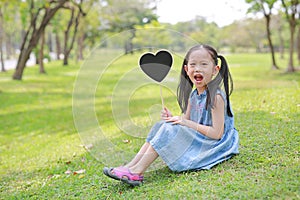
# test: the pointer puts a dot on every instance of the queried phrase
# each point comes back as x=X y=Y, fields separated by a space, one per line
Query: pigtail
x=223 y=76
x=184 y=89
x=226 y=76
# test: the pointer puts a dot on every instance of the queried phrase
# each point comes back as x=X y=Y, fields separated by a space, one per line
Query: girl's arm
x=215 y=131
x=187 y=113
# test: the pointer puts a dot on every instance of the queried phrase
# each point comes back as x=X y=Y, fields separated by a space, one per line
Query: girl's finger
x=169 y=119
x=164 y=118
x=176 y=122
x=167 y=111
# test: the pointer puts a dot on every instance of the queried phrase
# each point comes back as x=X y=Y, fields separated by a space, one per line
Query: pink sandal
x=123 y=174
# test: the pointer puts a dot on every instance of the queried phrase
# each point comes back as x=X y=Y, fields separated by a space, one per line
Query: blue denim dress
x=183 y=148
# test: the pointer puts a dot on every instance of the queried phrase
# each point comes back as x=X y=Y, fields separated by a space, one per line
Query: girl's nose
x=197 y=69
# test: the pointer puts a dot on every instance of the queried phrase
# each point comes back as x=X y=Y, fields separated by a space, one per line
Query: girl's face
x=201 y=68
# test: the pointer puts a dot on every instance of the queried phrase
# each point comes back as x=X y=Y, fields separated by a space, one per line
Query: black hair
x=186 y=85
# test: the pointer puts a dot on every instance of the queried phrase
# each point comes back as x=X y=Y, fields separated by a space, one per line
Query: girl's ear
x=216 y=70
x=185 y=68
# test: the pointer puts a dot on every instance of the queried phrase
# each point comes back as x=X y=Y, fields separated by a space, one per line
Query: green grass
x=39 y=141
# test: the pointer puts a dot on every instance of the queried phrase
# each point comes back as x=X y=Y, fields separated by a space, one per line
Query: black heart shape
x=156 y=66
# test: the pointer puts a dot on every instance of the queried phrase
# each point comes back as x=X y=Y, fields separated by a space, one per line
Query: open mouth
x=198 y=77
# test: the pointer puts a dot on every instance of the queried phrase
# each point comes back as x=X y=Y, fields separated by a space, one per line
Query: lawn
x=56 y=135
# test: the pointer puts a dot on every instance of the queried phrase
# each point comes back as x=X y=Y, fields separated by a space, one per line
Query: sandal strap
x=122 y=172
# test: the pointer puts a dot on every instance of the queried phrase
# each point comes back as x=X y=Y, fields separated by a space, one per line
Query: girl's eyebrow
x=204 y=60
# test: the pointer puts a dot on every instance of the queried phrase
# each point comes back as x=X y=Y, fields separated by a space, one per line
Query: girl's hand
x=165 y=113
x=176 y=120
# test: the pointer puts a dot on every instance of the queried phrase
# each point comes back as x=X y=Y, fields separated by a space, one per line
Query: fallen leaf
x=88 y=146
x=81 y=176
x=81 y=171
x=126 y=141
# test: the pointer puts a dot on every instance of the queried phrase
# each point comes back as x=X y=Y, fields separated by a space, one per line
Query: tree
x=291 y=9
x=76 y=13
x=280 y=25
x=298 y=45
x=41 y=54
x=57 y=24
x=196 y=30
x=247 y=35
x=40 y=15
x=255 y=31
x=7 y=32
x=1 y=41
x=156 y=35
x=123 y=15
x=205 y=32
x=265 y=6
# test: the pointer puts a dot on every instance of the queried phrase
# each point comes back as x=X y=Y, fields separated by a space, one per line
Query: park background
x=42 y=154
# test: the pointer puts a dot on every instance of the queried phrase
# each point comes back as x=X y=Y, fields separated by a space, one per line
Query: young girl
x=204 y=135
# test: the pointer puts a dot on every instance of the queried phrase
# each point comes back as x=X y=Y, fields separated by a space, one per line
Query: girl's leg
x=144 y=161
x=138 y=156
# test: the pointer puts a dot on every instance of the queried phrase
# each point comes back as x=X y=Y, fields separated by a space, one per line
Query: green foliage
x=264 y=6
x=245 y=35
x=24 y=9
x=125 y=14
x=108 y=17
x=156 y=36
x=89 y=27
x=39 y=145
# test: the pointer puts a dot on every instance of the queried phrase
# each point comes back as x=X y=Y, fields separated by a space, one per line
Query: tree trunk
x=290 y=67
x=58 y=46
x=298 y=45
x=1 y=42
x=67 y=50
x=8 y=47
x=274 y=65
x=281 y=43
x=66 y=37
x=2 y=60
x=36 y=55
x=66 y=57
x=34 y=32
x=129 y=44
x=23 y=57
x=50 y=42
x=291 y=17
x=41 y=54
x=80 y=47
